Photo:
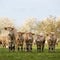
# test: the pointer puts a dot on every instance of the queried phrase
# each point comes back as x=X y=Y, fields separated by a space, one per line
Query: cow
x=20 y=41
x=52 y=39
x=40 y=42
x=4 y=39
x=11 y=40
x=29 y=41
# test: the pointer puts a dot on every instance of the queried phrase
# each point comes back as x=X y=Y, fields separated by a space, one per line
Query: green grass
x=6 y=55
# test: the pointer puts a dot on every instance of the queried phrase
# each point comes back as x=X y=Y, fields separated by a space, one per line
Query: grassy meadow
x=34 y=55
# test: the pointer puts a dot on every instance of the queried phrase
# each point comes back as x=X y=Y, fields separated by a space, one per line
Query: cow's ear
x=17 y=39
x=5 y=28
x=33 y=34
x=23 y=32
x=12 y=28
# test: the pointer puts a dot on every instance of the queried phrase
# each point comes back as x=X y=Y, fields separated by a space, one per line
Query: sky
x=19 y=10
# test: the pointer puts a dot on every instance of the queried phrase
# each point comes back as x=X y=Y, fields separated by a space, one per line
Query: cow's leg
x=10 y=47
x=18 y=48
x=42 y=47
x=53 y=48
x=38 y=48
x=30 y=47
x=13 y=48
x=49 y=48
x=21 y=47
x=27 y=47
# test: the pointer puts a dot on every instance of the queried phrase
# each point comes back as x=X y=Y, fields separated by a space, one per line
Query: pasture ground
x=34 y=55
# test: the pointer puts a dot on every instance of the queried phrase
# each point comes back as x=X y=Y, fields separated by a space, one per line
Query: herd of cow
x=24 y=41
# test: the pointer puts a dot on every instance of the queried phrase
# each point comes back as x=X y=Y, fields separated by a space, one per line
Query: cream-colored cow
x=40 y=41
x=52 y=39
x=4 y=38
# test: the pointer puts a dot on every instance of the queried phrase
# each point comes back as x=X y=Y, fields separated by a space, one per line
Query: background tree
x=29 y=25
x=47 y=25
x=5 y=22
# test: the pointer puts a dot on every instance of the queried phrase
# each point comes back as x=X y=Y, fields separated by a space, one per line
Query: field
x=34 y=55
